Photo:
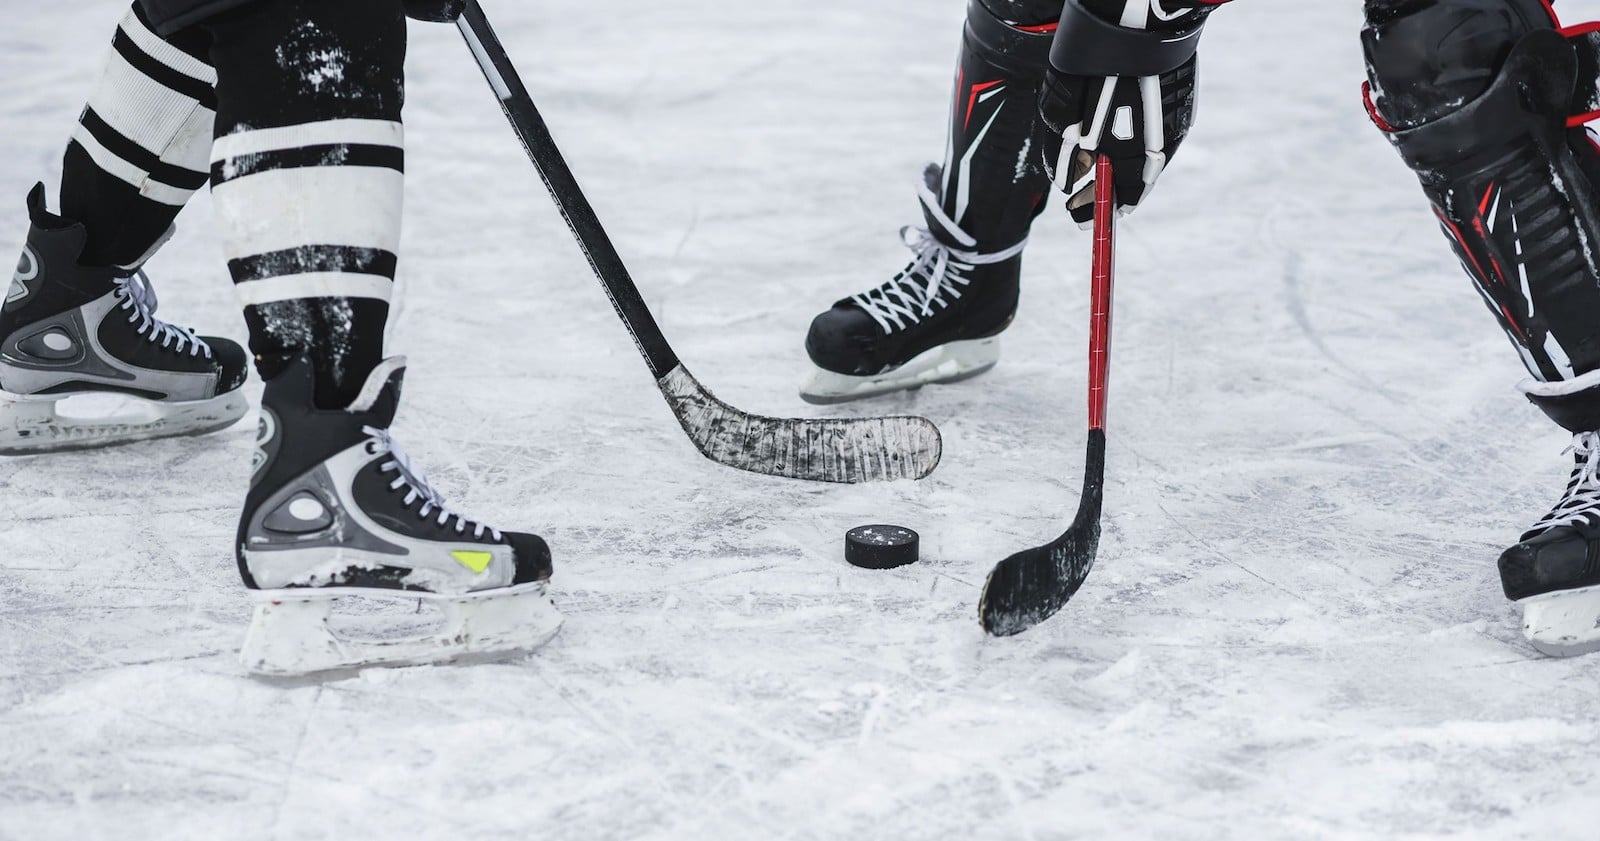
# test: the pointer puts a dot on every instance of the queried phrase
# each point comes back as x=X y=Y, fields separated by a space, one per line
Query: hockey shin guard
x=307 y=177
x=992 y=184
x=1479 y=99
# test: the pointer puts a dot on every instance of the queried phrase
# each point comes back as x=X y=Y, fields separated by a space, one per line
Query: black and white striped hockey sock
x=306 y=176
x=312 y=210
x=310 y=221
x=141 y=144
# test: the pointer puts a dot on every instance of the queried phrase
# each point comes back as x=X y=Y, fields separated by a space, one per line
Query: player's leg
x=79 y=315
x=938 y=319
x=306 y=179
x=1477 y=96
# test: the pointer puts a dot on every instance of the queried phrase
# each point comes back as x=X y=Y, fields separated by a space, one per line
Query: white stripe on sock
x=161 y=51
x=313 y=285
x=127 y=172
x=366 y=132
x=144 y=110
x=280 y=209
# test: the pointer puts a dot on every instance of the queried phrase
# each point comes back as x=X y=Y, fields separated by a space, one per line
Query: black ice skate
x=1554 y=572
x=937 y=321
x=67 y=329
x=336 y=509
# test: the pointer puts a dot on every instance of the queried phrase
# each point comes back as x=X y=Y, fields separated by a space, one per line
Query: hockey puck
x=880 y=546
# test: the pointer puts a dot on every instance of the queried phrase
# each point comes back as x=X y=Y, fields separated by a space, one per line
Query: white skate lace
x=139 y=299
x=934 y=278
x=416 y=484
x=1581 y=503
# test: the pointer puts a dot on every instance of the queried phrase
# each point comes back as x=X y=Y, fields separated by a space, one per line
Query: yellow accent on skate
x=475 y=561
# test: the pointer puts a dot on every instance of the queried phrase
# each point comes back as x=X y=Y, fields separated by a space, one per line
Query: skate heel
x=295 y=631
x=25 y=424
x=1564 y=623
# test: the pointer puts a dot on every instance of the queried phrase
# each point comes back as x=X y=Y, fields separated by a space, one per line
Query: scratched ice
x=1295 y=629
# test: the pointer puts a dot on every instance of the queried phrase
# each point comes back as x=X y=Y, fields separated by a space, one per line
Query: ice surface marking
x=720 y=679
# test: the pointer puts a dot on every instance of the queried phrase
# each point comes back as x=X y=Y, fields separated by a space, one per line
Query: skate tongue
x=381 y=393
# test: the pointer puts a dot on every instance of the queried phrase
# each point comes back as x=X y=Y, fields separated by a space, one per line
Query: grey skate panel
x=303 y=513
x=341 y=530
x=267 y=443
x=281 y=551
x=24 y=371
x=18 y=356
x=54 y=345
x=27 y=271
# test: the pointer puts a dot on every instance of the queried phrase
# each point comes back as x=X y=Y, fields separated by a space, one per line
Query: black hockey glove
x=435 y=11
x=1122 y=83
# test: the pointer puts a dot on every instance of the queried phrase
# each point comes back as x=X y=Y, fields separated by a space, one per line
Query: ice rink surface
x=1295 y=630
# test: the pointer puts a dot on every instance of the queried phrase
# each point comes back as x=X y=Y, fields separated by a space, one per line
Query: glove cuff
x=1086 y=45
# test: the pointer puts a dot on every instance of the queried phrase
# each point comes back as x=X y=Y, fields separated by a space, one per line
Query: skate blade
x=294 y=632
x=30 y=426
x=947 y=363
x=1564 y=623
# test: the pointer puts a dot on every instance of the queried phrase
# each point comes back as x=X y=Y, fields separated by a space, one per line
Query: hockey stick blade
x=1032 y=585
x=835 y=450
x=822 y=450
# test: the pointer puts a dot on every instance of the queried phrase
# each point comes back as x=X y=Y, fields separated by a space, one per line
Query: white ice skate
x=338 y=519
x=936 y=321
x=1554 y=572
x=68 y=330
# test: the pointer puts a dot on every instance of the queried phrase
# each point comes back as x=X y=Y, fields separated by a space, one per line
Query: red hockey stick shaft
x=1105 y=226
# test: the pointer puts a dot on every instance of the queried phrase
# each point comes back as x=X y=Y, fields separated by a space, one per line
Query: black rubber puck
x=880 y=546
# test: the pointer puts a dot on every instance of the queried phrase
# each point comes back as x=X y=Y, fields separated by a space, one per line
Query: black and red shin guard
x=992 y=184
x=1479 y=98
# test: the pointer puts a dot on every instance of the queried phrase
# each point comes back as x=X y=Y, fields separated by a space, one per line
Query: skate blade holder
x=41 y=424
x=298 y=631
x=1564 y=623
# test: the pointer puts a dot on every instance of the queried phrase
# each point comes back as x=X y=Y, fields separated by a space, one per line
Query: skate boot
x=67 y=329
x=1554 y=571
x=336 y=509
x=937 y=321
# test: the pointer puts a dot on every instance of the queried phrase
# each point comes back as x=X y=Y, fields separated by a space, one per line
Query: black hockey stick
x=1030 y=586
x=825 y=450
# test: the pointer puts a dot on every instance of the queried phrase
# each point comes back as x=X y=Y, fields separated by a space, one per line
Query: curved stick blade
x=846 y=450
x=1032 y=585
